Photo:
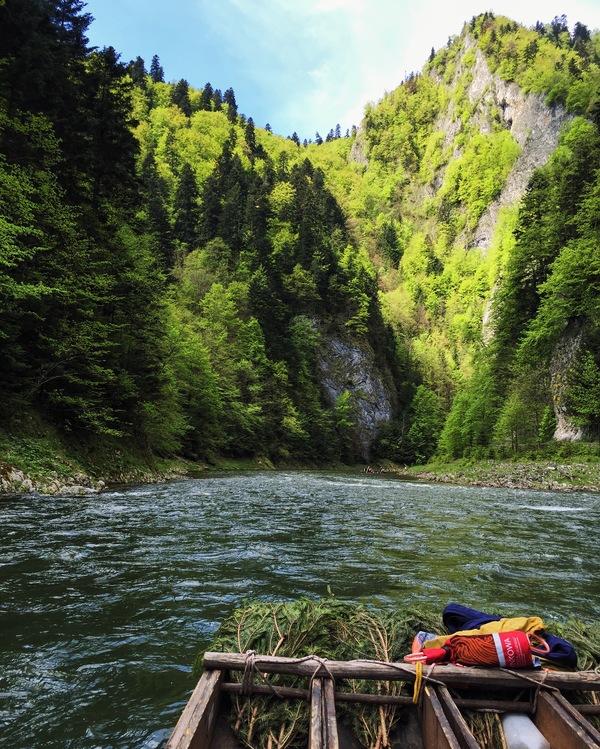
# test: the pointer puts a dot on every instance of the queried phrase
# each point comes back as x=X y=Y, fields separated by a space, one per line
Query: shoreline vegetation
x=545 y=475
x=47 y=466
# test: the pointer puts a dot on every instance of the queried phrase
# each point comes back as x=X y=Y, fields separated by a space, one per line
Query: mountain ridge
x=175 y=276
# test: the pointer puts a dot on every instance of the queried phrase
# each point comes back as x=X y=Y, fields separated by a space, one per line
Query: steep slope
x=438 y=173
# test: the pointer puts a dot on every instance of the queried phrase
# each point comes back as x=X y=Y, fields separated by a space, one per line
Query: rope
x=250 y=669
x=418 y=682
x=321 y=664
x=474 y=651
x=537 y=691
x=405 y=670
x=535 y=682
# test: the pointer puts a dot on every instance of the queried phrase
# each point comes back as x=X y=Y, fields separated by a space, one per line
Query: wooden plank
x=296 y=693
x=323 y=733
x=449 y=675
x=435 y=727
x=463 y=703
x=562 y=725
x=315 y=733
x=330 y=717
x=457 y=722
x=575 y=713
x=196 y=724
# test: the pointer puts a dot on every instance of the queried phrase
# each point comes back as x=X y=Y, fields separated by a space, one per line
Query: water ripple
x=106 y=601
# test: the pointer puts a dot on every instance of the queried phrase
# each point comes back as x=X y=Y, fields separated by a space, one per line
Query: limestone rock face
x=562 y=361
x=534 y=126
x=346 y=365
x=358 y=150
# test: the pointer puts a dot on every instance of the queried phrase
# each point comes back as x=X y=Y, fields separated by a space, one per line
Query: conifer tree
x=180 y=96
x=232 y=109
x=157 y=74
x=217 y=100
x=250 y=136
x=155 y=193
x=137 y=71
x=206 y=98
x=186 y=210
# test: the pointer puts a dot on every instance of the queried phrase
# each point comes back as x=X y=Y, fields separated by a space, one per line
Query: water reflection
x=105 y=601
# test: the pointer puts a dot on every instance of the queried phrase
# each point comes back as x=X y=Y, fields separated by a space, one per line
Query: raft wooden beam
x=436 y=730
x=296 y=693
x=195 y=727
x=323 y=724
x=315 y=733
x=330 y=716
x=456 y=720
x=449 y=675
x=562 y=725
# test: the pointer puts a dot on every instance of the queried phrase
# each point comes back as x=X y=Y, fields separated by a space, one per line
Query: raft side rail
x=196 y=725
x=493 y=678
x=442 y=725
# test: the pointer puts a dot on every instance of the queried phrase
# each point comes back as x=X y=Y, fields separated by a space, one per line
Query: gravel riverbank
x=544 y=475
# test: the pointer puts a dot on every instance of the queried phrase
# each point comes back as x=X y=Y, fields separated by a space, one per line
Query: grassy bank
x=37 y=458
x=545 y=474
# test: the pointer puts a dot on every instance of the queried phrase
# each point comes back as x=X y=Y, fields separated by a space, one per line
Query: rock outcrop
x=563 y=358
x=533 y=125
x=346 y=366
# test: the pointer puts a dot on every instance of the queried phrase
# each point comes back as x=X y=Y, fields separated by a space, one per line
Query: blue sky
x=301 y=65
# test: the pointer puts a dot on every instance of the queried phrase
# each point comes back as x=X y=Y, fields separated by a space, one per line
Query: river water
x=106 y=600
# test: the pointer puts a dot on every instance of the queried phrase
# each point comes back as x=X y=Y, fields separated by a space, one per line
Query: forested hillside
x=179 y=281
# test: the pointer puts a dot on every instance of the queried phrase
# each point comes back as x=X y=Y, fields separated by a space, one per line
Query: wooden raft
x=442 y=725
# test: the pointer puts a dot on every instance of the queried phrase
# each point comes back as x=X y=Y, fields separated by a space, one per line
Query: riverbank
x=533 y=474
x=46 y=464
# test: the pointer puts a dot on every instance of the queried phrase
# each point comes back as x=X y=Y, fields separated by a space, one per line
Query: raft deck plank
x=436 y=730
x=562 y=725
x=323 y=732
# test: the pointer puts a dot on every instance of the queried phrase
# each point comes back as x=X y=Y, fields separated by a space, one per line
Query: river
x=106 y=600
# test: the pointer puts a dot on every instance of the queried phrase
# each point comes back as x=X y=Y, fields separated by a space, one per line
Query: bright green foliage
x=584 y=393
x=426 y=423
x=469 y=426
x=345 y=424
x=551 y=287
x=565 y=69
x=169 y=271
x=476 y=178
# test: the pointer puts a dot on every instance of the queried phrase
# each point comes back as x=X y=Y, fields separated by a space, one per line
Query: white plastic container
x=520 y=732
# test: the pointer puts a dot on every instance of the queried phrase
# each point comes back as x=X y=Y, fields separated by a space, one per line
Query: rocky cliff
x=344 y=365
